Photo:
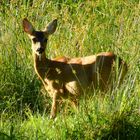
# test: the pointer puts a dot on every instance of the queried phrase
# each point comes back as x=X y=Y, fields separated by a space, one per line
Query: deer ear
x=27 y=26
x=51 y=27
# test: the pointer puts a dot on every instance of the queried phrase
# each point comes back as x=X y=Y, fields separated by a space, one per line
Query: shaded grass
x=94 y=122
x=84 y=28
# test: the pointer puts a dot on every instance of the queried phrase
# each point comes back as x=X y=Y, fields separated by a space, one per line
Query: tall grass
x=84 y=28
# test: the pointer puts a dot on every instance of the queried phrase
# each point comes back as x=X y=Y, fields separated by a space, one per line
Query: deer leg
x=75 y=105
x=54 y=106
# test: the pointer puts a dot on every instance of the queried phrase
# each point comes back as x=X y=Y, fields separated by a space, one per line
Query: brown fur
x=70 y=77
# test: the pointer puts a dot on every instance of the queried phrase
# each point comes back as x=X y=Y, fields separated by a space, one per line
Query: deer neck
x=40 y=65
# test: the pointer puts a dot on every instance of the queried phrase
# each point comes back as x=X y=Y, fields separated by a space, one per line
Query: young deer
x=70 y=77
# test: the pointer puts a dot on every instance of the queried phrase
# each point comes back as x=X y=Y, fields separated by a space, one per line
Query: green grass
x=84 y=28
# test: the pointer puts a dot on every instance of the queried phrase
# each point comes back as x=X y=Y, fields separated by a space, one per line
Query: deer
x=66 y=77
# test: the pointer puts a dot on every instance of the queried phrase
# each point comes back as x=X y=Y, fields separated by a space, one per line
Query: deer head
x=39 y=38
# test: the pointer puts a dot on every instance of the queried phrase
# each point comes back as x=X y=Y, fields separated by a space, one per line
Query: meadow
x=85 y=27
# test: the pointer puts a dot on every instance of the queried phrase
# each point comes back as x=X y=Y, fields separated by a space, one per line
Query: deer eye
x=45 y=40
x=34 y=40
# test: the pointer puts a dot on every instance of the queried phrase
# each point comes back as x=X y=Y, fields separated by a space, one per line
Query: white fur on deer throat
x=35 y=46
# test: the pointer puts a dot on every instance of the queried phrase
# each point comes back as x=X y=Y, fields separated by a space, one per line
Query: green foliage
x=84 y=28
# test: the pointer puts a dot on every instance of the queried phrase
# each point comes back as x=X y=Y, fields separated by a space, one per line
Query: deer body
x=69 y=77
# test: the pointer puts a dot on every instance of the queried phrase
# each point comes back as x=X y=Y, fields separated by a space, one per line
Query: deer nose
x=40 y=50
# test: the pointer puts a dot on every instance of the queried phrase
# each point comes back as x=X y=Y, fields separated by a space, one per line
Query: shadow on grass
x=4 y=136
x=122 y=129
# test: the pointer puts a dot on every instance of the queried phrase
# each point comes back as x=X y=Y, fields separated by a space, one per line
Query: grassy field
x=84 y=28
